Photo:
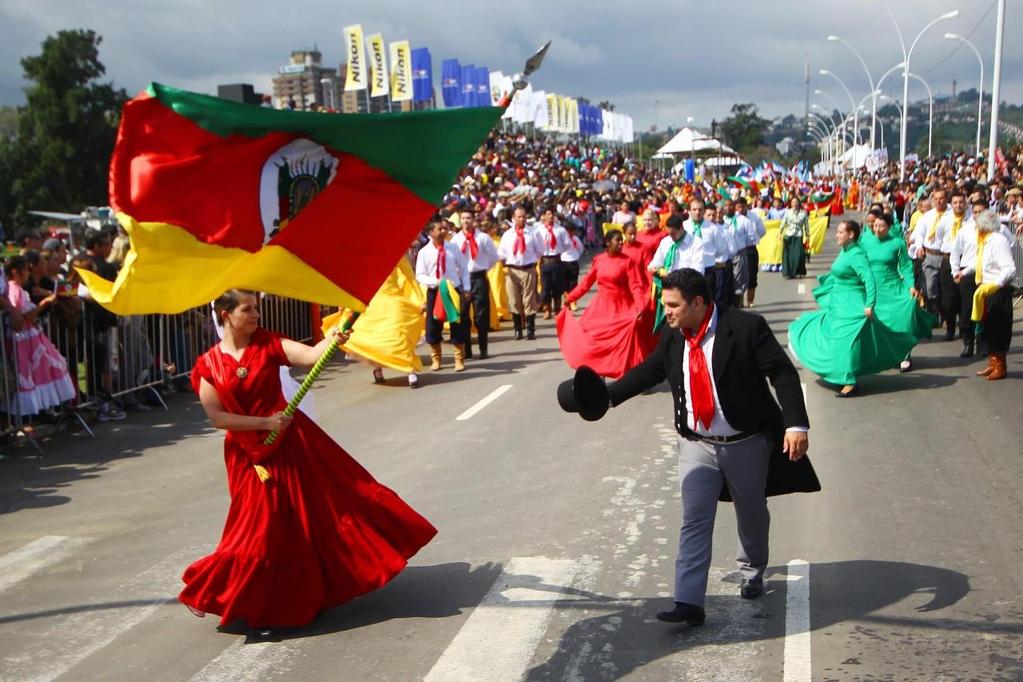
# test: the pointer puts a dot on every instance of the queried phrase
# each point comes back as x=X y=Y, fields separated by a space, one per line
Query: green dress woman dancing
x=844 y=339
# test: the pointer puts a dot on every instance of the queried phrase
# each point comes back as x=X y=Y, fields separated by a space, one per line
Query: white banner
x=506 y=86
x=401 y=71
x=537 y=110
x=377 y=65
x=496 y=87
x=355 y=75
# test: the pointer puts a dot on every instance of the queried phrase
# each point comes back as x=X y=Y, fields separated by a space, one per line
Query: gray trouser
x=932 y=282
x=702 y=469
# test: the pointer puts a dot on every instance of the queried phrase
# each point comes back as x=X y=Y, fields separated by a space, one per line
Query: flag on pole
x=496 y=87
x=451 y=82
x=482 y=86
x=422 y=75
x=378 y=74
x=355 y=73
x=401 y=71
x=216 y=194
x=468 y=85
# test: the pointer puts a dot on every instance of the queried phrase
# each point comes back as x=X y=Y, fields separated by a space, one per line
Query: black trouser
x=722 y=285
x=435 y=328
x=753 y=260
x=479 y=302
x=967 y=285
x=998 y=322
x=571 y=270
x=552 y=282
x=949 y=293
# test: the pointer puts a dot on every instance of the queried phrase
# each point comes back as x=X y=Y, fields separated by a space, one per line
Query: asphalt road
x=557 y=537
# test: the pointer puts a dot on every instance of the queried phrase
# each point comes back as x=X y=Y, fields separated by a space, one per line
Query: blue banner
x=690 y=170
x=598 y=121
x=482 y=86
x=451 y=82
x=422 y=75
x=468 y=85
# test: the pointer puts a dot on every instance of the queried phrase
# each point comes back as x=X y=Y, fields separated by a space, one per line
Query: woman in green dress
x=795 y=232
x=845 y=340
x=897 y=297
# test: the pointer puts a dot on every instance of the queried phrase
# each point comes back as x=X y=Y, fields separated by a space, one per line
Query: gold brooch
x=241 y=372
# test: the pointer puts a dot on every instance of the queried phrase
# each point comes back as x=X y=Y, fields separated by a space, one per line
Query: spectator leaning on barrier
x=97 y=325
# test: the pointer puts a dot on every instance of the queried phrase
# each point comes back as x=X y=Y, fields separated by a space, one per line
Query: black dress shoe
x=683 y=613
x=484 y=355
x=968 y=350
x=751 y=589
x=848 y=394
x=950 y=334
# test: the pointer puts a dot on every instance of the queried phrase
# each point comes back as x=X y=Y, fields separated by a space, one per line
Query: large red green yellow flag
x=316 y=206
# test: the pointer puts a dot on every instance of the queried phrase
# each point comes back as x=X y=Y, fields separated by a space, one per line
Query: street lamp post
x=823 y=129
x=870 y=79
x=834 y=103
x=852 y=103
x=980 y=88
x=930 y=117
x=905 y=88
x=996 y=89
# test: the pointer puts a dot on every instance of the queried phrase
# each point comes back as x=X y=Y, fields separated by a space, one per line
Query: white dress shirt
x=921 y=235
x=759 y=228
x=688 y=254
x=574 y=251
x=454 y=267
x=963 y=259
x=622 y=217
x=505 y=250
x=561 y=240
x=999 y=267
x=740 y=231
x=715 y=248
x=486 y=250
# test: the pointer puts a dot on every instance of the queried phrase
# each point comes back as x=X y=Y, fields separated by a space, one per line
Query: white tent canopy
x=689 y=141
x=856 y=156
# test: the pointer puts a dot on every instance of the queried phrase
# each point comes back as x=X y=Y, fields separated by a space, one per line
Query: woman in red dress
x=319 y=530
x=612 y=336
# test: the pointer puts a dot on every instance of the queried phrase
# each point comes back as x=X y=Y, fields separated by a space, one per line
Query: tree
x=66 y=131
x=744 y=129
x=606 y=105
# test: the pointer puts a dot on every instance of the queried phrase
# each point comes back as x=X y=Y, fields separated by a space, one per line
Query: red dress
x=320 y=532
x=608 y=337
x=638 y=253
x=649 y=240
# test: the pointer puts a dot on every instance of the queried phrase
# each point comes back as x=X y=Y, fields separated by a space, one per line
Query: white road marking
x=499 y=638
x=801 y=289
x=797 y=660
x=494 y=395
x=73 y=638
x=45 y=551
x=242 y=661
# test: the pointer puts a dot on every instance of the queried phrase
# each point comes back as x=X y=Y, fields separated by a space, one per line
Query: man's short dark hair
x=94 y=238
x=690 y=283
x=957 y=193
x=675 y=220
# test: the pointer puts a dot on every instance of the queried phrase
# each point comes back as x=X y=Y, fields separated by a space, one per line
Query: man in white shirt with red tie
x=520 y=250
x=437 y=261
x=480 y=254
x=552 y=273
x=737 y=440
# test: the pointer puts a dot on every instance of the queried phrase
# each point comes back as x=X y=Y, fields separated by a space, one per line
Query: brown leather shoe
x=999 y=369
x=990 y=366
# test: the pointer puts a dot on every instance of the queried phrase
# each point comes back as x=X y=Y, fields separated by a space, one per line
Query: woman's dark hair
x=228 y=301
x=854 y=227
x=610 y=235
x=15 y=263
x=888 y=218
x=690 y=283
x=31 y=257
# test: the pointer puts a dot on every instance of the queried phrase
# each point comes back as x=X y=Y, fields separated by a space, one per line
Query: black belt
x=724 y=440
x=478 y=274
x=528 y=266
x=558 y=257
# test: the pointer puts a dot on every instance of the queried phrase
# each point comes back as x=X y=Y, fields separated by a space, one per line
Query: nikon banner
x=378 y=65
x=401 y=71
x=355 y=76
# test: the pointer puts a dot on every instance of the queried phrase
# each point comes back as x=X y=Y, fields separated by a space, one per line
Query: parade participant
x=631 y=245
x=439 y=261
x=43 y=381
x=678 y=250
x=752 y=253
x=612 y=335
x=777 y=210
x=713 y=231
x=390 y=327
x=552 y=275
x=743 y=235
x=795 y=232
x=844 y=340
x=731 y=430
x=480 y=254
x=992 y=301
x=896 y=306
x=319 y=530
x=519 y=251
x=650 y=237
x=931 y=233
x=570 y=262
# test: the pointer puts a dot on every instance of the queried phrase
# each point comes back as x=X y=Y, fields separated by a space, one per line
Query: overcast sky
x=691 y=58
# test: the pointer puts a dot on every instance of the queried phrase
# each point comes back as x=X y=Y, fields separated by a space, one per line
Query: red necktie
x=470 y=244
x=520 y=242
x=699 y=376
x=575 y=242
x=553 y=240
x=441 y=264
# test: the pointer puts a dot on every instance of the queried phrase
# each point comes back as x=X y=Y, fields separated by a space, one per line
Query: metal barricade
x=1017 y=281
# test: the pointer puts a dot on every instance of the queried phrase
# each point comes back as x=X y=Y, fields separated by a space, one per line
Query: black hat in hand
x=585 y=394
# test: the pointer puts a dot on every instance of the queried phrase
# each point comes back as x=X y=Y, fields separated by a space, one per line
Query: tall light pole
x=996 y=91
x=980 y=88
x=833 y=102
x=905 y=88
x=852 y=103
x=930 y=117
x=870 y=79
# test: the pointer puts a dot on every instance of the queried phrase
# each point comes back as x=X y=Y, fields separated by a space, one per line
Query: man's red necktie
x=700 y=388
x=470 y=243
x=553 y=241
x=441 y=261
x=520 y=242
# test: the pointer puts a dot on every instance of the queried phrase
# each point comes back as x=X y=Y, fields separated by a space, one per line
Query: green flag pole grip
x=328 y=353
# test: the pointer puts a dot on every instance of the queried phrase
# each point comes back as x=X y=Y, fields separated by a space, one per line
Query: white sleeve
x=659 y=255
x=1003 y=259
x=423 y=276
x=957 y=252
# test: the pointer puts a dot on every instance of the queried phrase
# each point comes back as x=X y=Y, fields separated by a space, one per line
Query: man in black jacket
x=735 y=441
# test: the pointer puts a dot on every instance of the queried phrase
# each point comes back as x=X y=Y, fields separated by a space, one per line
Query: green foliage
x=58 y=158
x=744 y=129
x=8 y=122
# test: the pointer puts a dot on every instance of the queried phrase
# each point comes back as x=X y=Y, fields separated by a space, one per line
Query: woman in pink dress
x=43 y=379
x=612 y=336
